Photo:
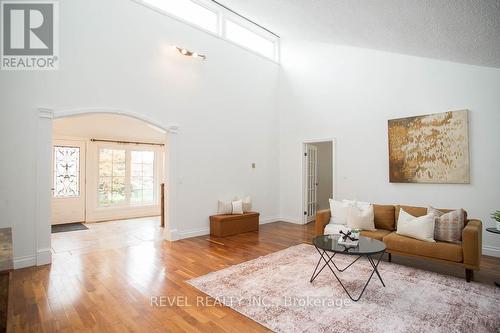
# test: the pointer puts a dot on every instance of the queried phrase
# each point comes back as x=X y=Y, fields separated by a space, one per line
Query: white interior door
x=68 y=183
x=311 y=183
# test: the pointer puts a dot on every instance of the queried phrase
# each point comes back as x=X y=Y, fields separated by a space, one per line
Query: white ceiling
x=108 y=126
x=466 y=31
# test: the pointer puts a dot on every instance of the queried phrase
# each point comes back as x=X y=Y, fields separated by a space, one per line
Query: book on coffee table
x=348 y=242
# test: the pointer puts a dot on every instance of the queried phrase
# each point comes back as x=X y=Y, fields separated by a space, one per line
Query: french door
x=68 y=182
x=311 y=182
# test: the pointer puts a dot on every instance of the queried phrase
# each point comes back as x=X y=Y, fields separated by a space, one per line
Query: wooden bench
x=226 y=225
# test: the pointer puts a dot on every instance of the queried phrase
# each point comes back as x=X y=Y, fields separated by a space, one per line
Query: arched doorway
x=44 y=170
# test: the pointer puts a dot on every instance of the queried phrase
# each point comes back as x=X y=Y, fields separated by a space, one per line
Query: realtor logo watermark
x=29 y=35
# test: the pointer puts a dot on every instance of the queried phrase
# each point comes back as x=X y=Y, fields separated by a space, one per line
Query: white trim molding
x=54 y=114
x=291 y=220
x=25 y=261
x=194 y=233
x=493 y=251
x=271 y=219
x=171 y=234
x=45 y=113
x=43 y=257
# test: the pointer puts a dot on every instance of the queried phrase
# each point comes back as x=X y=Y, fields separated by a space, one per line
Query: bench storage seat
x=226 y=225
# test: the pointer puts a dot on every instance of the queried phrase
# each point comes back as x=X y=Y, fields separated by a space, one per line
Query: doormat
x=68 y=227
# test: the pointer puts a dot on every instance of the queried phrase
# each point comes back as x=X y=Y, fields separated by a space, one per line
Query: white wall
x=349 y=94
x=325 y=189
x=117 y=54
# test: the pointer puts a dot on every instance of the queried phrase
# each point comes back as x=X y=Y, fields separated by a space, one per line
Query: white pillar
x=171 y=225
x=43 y=186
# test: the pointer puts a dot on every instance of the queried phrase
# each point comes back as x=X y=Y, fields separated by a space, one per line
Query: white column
x=43 y=186
x=171 y=224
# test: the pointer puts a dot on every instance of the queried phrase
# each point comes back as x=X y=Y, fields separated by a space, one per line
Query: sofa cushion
x=361 y=218
x=421 y=227
x=412 y=210
x=233 y=217
x=449 y=225
x=384 y=217
x=439 y=250
x=377 y=234
x=418 y=211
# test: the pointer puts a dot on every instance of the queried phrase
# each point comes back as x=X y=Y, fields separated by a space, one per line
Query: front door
x=68 y=185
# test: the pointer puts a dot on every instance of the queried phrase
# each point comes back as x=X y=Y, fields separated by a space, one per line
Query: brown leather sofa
x=467 y=254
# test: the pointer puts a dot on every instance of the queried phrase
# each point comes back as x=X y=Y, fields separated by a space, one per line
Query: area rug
x=275 y=291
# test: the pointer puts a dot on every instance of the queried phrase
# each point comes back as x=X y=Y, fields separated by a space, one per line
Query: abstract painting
x=429 y=149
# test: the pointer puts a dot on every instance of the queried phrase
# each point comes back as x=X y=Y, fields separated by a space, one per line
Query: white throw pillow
x=421 y=228
x=334 y=229
x=224 y=207
x=349 y=202
x=247 y=204
x=237 y=207
x=363 y=205
x=355 y=203
x=361 y=218
x=339 y=211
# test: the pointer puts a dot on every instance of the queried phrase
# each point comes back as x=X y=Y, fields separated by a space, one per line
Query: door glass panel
x=126 y=179
x=66 y=172
x=142 y=177
x=112 y=166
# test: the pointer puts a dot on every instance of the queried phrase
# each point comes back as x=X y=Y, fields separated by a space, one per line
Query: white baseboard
x=194 y=233
x=43 y=257
x=290 y=220
x=170 y=234
x=176 y=235
x=269 y=220
x=491 y=251
x=25 y=261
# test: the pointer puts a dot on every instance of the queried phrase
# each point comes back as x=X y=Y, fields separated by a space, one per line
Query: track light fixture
x=188 y=53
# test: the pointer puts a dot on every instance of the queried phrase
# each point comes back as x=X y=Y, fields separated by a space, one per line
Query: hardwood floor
x=103 y=279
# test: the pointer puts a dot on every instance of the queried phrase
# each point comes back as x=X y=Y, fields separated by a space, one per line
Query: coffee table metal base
x=324 y=254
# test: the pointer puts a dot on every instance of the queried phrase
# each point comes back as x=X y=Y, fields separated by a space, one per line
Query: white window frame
x=255 y=29
x=156 y=181
x=128 y=164
x=223 y=14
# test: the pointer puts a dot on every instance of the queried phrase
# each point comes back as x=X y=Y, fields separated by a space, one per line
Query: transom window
x=66 y=172
x=247 y=38
x=189 y=11
x=222 y=21
x=126 y=176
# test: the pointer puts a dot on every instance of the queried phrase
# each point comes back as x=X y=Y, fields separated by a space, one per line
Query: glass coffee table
x=327 y=246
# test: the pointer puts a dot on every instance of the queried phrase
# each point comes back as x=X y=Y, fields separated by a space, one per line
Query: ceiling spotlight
x=188 y=53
